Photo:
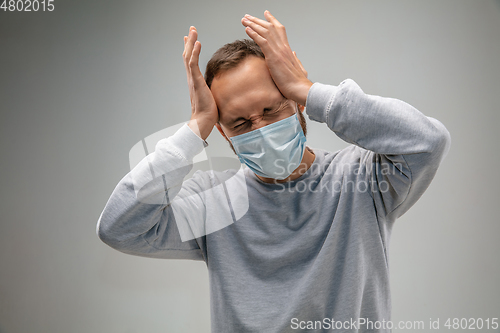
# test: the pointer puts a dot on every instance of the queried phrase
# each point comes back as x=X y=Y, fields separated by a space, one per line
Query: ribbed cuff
x=187 y=143
x=319 y=100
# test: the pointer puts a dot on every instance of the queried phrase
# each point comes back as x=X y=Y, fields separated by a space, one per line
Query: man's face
x=248 y=99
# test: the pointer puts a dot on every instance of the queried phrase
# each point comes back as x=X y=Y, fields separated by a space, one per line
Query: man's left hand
x=285 y=68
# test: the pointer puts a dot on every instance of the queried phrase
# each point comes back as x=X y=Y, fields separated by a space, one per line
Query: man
x=310 y=250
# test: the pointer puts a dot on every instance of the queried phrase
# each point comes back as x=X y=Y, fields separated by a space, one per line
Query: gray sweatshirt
x=309 y=255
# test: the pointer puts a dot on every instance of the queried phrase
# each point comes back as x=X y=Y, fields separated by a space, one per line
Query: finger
x=186 y=38
x=195 y=56
x=184 y=58
x=280 y=28
x=261 y=41
x=254 y=26
x=300 y=63
x=196 y=74
x=257 y=20
x=270 y=18
x=191 y=39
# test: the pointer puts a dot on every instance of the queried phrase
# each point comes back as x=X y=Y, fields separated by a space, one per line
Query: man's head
x=244 y=91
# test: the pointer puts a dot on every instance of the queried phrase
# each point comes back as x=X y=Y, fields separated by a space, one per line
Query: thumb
x=300 y=63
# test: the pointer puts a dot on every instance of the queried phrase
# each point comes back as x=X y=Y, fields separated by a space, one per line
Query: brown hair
x=230 y=56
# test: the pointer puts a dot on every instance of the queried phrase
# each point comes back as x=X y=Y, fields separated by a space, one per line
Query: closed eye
x=282 y=105
x=266 y=111
x=240 y=124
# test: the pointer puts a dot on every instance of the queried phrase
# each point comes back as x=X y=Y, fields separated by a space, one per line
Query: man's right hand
x=204 y=112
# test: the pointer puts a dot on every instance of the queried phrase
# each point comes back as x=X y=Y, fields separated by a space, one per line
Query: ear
x=221 y=131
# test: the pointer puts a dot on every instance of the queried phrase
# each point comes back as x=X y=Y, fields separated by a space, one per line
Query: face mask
x=272 y=151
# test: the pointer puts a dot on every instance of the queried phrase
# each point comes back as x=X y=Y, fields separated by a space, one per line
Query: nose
x=258 y=122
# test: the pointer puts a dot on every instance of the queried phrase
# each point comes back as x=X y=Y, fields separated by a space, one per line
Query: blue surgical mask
x=272 y=151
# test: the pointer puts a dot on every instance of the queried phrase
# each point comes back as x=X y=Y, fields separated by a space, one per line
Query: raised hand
x=285 y=68
x=204 y=112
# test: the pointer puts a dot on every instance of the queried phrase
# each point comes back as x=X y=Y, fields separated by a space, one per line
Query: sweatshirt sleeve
x=138 y=218
x=401 y=147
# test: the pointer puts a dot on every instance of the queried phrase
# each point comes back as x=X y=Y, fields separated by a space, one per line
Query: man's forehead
x=245 y=87
x=252 y=72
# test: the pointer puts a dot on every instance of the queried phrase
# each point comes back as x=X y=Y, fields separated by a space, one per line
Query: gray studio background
x=81 y=85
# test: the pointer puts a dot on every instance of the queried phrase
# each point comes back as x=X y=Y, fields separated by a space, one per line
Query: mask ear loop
x=227 y=137
x=234 y=150
x=297 y=110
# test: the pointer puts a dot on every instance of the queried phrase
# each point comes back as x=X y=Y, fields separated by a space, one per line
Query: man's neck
x=305 y=164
